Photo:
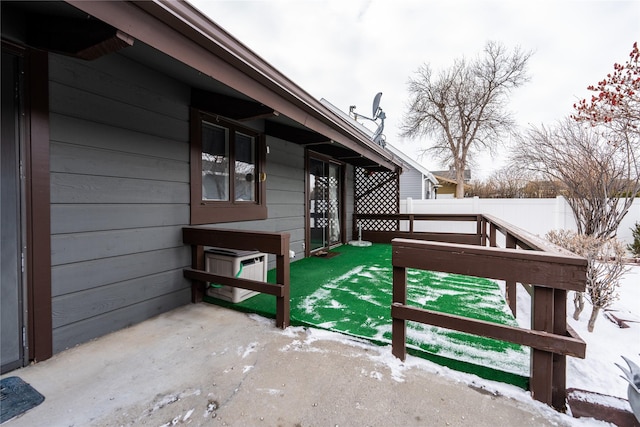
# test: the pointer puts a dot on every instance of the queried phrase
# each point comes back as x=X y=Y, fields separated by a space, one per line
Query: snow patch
x=172 y=398
x=188 y=414
x=251 y=348
x=600 y=399
x=271 y=391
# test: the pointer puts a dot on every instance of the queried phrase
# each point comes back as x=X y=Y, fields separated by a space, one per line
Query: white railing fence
x=537 y=216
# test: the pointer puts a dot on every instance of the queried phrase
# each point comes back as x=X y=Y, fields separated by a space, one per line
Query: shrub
x=605 y=267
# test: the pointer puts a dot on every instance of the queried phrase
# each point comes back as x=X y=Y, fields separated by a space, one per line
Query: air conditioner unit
x=250 y=265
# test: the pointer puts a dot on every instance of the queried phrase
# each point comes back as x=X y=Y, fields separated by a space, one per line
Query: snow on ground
x=596 y=373
x=303 y=339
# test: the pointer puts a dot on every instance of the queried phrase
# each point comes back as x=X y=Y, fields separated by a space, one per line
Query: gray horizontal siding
x=73 y=218
x=411 y=184
x=76 y=103
x=106 y=162
x=117 y=91
x=80 y=276
x=69 y=188
x=119 y=194
x=122 y=79
x=282 y=211
x=76 y=131
x=77 y=247
x=97 y=301
x=69 y=335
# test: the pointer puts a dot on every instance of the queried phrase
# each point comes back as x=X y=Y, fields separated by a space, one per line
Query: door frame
x=309 y=154
x=35 y=176
x=14 y=307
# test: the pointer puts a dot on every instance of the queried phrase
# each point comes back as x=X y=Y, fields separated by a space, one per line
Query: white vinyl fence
x=537 y=216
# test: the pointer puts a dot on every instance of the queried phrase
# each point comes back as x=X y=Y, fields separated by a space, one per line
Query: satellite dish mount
x=377 y=113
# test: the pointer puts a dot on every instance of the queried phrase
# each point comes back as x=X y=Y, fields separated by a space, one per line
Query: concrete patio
x=206 y=365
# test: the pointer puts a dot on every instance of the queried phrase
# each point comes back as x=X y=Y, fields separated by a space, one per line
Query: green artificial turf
x=352 y=292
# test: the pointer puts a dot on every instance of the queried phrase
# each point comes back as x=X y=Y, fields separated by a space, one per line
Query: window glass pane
x=245 y=171
x=215 y=162
x=334 y=203
x=317 y=204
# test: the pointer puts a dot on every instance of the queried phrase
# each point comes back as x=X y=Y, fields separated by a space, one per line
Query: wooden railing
x=514 y=238
x=550 y=272
x=270 y=243
x=405 y=228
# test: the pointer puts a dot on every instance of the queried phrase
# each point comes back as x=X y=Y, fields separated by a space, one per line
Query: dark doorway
x=324 y=201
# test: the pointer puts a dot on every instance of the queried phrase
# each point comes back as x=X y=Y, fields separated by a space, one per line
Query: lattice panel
x=377 y=193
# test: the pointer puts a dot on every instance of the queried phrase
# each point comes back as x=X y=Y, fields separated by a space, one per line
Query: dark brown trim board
x=38 y=217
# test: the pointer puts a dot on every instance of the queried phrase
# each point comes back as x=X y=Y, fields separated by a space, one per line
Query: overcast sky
x=347 y=51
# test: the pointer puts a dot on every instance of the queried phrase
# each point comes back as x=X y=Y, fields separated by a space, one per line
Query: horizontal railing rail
x=514 y=238
x=404 y=226
x=270 y=243
x=549 y=271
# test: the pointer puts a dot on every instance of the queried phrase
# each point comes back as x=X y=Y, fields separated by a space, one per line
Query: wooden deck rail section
x=406 y=228
x=547 y=270
x=270 y=243
x=409 y=232
x=514 y=238
x=552 y=274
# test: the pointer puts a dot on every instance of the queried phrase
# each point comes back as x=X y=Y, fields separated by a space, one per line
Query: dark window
x=227 y=171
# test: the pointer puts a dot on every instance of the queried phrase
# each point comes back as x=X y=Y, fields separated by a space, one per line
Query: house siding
x=119 y=195
x=411 y=184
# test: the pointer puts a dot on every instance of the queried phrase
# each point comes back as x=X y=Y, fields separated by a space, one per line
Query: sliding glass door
x=324 y=196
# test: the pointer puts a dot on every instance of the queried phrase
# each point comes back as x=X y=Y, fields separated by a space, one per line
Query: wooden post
x=492 y=235
x=282 y=302
x=481 y=230
x=399 y=326
x=559 y=386
x=541 y=380
x=510 y=287
x=197 y=263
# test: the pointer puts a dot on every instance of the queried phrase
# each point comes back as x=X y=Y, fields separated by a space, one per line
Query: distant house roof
x=412 y=163
x=451 y=174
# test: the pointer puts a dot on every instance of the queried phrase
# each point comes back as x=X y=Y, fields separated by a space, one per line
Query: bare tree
x=480 y=189
x=512 y=182
x=541 y=189
x=599 y=179
x=508 y=182
x=463 y=108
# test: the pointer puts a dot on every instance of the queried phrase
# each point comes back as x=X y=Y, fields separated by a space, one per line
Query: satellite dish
x=376 y=104
x=378 y=137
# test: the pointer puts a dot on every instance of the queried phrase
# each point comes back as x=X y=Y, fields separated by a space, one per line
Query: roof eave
x=197 y=41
